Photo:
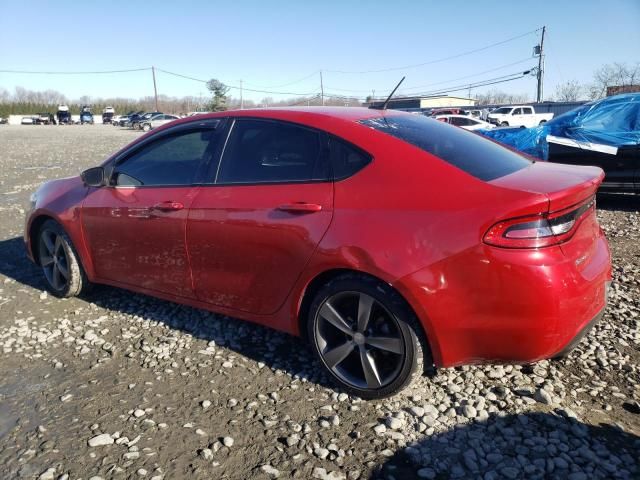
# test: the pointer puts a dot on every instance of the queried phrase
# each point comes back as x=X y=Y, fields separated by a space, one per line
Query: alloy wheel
x=359 y=340
x=54 y=260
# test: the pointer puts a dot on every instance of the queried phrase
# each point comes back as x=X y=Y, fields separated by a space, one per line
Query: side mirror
x=93 y=177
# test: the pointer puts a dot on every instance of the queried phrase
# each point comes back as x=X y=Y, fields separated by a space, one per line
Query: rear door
x=528 y=117
x=135 y=227
x=252 y=231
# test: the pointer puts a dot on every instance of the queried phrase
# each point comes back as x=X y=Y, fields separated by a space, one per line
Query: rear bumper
x=578 y=338
x=491 y=305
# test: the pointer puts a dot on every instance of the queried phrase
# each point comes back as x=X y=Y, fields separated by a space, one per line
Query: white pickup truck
x=518 y=116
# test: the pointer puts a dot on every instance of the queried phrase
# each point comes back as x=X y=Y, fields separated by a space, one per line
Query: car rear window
x=468 y=151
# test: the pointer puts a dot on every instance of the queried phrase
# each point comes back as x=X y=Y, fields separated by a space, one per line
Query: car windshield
x=502 y=110
x=465 y=150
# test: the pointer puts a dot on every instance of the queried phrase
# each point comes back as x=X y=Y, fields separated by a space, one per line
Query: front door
x=135 y=226
x=252 y=232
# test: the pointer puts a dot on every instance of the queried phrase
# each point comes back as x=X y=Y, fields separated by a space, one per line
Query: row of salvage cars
x=143 y=121
x=604 y=133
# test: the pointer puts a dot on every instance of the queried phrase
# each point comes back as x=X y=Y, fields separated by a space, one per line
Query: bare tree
x=569 y=91
x=496 y=97
x=614 y=74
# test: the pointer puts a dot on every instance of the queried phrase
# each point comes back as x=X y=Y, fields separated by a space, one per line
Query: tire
x=59 y=253
x=504 y=124
x=146 y=127
x=542 y=122
x=393 y=365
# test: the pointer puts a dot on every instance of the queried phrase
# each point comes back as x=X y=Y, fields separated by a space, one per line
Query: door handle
x=300 y=207
x=168 y=206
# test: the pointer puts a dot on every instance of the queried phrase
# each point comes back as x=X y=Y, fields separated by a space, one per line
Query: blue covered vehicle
x=85 y=115
x=605 y=133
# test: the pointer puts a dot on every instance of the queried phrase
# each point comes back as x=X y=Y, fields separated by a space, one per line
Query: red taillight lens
x=538 y=231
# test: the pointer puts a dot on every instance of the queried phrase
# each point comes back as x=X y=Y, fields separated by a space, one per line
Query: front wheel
x=365 y=336
x=60 y=262
x=504 y=124
x=146 y=127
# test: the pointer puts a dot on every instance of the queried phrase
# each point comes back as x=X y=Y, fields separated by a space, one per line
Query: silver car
x=156 y=121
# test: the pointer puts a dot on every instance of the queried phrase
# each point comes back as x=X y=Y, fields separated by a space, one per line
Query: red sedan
x=386 y=239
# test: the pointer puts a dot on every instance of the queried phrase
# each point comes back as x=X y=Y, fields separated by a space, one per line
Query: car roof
x=458 y=116
x=343 y=113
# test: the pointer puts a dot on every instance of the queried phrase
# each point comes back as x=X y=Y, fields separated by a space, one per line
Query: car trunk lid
x=564 y=185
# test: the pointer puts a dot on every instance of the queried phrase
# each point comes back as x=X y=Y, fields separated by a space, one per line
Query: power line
x=301 y=102
x=481 y=83
x=439 y=60
x=306 y=77
x=528 y=59
x=30 y=72
x=235 y=87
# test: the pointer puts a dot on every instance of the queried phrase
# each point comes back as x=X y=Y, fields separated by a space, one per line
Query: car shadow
x=275 y=349
x=533 y=445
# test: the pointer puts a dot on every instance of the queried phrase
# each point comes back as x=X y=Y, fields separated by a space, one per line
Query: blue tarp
x=613 y=121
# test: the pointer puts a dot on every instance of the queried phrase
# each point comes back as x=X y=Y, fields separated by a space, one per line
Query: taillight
x=538 y=231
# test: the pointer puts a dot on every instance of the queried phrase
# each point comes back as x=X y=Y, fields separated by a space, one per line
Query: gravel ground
x=119 y=385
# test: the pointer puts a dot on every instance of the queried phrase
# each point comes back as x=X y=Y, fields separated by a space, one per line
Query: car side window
x=527 y=111
x=346 y=159
x=517 y=111
x=171 y=160
x=267 y=151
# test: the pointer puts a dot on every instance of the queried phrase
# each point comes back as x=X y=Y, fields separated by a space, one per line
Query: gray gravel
x=118 y=385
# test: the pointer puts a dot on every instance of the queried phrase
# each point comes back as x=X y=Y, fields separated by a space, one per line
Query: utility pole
x=540 y=93
x=155 y=89
x=321 y=88
x=241 y=101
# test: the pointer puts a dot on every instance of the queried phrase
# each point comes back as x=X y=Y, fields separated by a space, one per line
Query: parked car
x=446 y=111
x=605 y=133
x=464 y=121
x=124 y=121
x=484 y=113
x=4 y=120
x=64 y=115
x=136 y=121
x=518 y=116
x=44 y=118
x=107 y=115
x=156 y=121
x=474 y=113
x=314 y=229
x=28 y=121
x=85 y=115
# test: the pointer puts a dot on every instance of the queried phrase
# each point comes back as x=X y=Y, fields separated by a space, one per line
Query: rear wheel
x=365 y=335
x=146 y=127
x=60 y=262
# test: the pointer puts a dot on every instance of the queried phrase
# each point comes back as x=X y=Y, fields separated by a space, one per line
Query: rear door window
x=268 y=151
x=468 y=151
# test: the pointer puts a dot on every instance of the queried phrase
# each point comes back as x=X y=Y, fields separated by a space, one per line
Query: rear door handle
x=168 y=206
x=300 y=207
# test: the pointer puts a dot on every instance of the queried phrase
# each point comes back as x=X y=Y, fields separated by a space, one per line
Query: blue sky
x=270 y=45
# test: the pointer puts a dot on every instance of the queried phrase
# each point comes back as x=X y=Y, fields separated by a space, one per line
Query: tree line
x=29 y=102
